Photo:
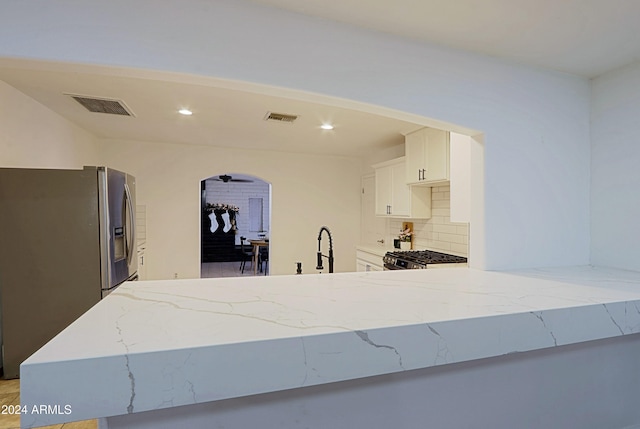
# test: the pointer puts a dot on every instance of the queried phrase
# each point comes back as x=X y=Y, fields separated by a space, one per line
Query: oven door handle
x=389 y=267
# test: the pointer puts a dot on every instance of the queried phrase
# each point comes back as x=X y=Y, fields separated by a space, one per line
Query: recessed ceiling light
x=185 y=112
x=326 y=126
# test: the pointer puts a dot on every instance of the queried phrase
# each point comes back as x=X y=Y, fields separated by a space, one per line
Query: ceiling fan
x=226 y=178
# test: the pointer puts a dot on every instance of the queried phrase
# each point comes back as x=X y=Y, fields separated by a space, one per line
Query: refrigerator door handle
x=130 y=235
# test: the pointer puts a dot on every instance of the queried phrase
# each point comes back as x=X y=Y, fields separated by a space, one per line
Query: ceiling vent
x=280 y=117
x=103 y=105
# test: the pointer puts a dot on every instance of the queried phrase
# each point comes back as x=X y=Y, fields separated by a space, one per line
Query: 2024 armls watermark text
x=36 y=409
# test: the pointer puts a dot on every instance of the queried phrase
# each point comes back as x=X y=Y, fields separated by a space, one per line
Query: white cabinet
x=142 y=263
x=367 y=260
x=384 y=189
x=372 y=227
x=427 y=156
x=363 y=266
x=394 y=198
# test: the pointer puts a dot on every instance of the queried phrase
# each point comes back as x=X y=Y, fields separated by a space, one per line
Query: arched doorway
x=235 y=223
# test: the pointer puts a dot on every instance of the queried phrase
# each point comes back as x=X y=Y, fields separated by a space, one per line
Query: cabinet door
x=415 y=156
x=400 y=193
x=384 y=177
x=372 y=227
x=394 y=198
x=364 y=266
x=437 y=156
x=427 y=156
x=142 y=265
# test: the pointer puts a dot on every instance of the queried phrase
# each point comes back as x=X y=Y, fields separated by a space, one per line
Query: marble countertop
x=382 y=249
x=159 y=344
x=379 y=250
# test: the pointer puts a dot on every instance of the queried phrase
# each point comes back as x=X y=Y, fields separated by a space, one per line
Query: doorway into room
x=235 y=223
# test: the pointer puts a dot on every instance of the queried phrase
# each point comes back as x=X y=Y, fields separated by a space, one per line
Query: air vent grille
x=102 y=105
x=280 y=117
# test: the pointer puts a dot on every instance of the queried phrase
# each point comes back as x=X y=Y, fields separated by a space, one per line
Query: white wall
x=535 y=210
x=307 y=193
x=615 y=164
x=33 y=136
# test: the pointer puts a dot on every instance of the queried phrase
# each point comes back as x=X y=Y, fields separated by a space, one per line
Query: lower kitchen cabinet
x=142 y=263
x=369 y=260
x=394 y=198
x=362 y=266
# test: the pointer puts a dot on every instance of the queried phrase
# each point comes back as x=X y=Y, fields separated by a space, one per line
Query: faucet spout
x=320 y=255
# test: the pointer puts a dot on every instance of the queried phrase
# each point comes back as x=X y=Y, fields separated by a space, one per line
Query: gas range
x=420 y=260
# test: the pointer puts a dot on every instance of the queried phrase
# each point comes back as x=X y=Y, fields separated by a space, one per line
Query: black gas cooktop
x=418 y=259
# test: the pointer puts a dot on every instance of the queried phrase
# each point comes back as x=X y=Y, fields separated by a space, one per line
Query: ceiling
x=583 y=37
x=223 y=117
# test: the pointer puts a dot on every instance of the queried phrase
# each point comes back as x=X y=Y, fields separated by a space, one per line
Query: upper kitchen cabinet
x=394 y=198
x=427 y=157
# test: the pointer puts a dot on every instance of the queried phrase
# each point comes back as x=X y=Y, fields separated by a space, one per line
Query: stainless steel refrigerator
x=67 y=239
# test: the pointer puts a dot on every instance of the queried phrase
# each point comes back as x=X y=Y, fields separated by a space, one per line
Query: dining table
x=257 y=244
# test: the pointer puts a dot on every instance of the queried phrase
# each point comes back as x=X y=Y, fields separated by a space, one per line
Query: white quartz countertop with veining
x=159 y=344
x=379 y=250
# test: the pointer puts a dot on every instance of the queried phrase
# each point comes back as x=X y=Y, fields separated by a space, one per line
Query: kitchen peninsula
x=458 y=347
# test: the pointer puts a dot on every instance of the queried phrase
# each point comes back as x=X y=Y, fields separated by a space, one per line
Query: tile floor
x=227 y=269
x=10 y=395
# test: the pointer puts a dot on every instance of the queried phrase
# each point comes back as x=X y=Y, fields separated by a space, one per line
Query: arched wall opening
x=323 y=188
x=235 y=213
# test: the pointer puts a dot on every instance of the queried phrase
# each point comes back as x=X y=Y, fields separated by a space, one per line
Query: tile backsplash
x=437 y=233
x=141 y=224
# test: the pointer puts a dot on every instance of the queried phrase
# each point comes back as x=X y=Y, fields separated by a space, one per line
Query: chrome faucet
x=320 y=255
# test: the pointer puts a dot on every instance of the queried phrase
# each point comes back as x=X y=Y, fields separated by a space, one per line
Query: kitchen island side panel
x=591 y=385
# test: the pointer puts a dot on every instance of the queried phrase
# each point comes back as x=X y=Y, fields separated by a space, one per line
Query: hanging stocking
x=214 y=223
x=227 y=223
x=232 y=216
